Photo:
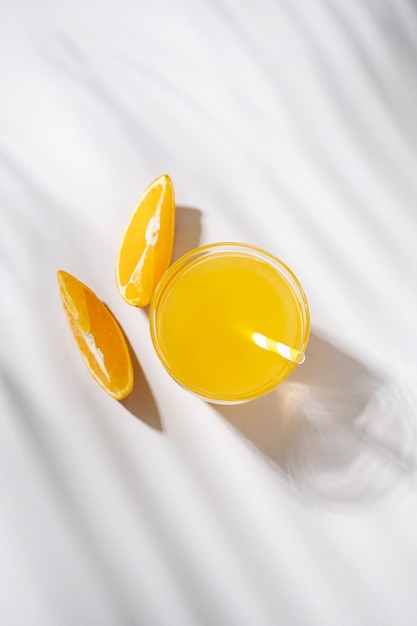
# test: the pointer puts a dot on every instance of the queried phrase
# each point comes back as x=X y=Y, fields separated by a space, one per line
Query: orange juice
x=207 y=309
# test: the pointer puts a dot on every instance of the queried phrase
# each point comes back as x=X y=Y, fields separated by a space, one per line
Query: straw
x=291 y=354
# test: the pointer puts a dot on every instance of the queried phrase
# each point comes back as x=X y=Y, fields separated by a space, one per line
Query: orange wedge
x=98 y=336
x=146 y=248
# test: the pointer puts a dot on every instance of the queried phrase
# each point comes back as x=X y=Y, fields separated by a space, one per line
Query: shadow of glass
x=141 y=402
x=335 y=429
x=187 y=231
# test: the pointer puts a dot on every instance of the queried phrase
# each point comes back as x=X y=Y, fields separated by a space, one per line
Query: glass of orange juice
x=217 y=317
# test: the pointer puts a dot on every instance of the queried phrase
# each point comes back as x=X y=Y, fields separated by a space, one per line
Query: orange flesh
x=146 y=248
x=98 y=335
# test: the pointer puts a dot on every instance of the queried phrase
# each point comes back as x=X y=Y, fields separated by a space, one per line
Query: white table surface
x=288 y=124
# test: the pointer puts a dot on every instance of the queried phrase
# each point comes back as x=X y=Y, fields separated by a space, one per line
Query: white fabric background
x=288 y=124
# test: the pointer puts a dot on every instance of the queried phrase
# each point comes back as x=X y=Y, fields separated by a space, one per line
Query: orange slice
x=146 y=248
x=98 y=336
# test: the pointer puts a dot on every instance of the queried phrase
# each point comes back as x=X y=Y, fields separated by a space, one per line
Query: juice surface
x=206 y=318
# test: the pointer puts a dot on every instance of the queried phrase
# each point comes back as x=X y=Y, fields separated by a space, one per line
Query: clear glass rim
x=249 y=250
